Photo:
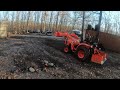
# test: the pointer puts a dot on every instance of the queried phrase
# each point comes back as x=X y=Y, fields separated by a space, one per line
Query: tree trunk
x=83 y=20
x=99 y=24
x=57 y=20
x=50 y=23
x=29 y=12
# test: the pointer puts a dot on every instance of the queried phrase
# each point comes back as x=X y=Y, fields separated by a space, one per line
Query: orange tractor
x=84 y=51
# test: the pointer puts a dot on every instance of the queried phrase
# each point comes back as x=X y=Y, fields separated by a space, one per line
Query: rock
x=15 y=76
x=37 y=70
x=9 y=77
x=45 y=61
x=34 y=65
x=16 y=71
x=56 y=68
x=13 y=69
x=46 y=65
x=45 y=69
x=31 y=69
x=119 y=68
x=2 y=77
x=51 y=64
x=53 y=73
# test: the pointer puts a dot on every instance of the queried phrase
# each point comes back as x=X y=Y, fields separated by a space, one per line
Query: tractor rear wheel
x=82 y=53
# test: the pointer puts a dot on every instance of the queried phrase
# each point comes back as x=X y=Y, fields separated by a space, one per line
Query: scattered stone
x=119 y=68
x=53 y=73
x=16 y=71
x=56 y=68
x=31 y=69
x=37 y=70
x=15 y=76
x=45 y=69
x=34 y=65
x=45 y=61
x=46 y=65
x=9 y=77
x=51 y=64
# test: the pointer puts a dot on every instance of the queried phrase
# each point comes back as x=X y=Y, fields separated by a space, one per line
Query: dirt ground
x=18 y=54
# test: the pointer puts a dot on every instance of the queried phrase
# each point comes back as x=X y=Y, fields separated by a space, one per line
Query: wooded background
x=20 y=22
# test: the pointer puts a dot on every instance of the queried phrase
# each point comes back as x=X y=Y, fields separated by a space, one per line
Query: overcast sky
x=112 y=13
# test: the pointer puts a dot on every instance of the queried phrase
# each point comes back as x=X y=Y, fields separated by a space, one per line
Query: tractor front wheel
x=66 y=49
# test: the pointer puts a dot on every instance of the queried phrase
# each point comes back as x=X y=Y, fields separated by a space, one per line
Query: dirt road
x=18 y=54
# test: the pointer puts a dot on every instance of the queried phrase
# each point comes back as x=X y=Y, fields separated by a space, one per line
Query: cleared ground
x=19 y=53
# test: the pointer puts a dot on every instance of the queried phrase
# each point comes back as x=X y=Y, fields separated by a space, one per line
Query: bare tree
x=60 y=20
x=5 y=15
x=57 y=18
x=99 y=24
x=45 y=20
x=83 y=34
x=35 y=19
x=12 y=21
x=17 y=25
x=62 y=16
x=23 y=18
x=38 y=19
x=76 y=16
x=50 y=22
x=42 y=21
x=28 y=18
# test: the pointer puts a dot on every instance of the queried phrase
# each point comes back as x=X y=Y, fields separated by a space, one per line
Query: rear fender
x=84 y=45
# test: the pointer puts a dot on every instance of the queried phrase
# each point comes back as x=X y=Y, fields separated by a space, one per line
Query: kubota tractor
x=83 y=50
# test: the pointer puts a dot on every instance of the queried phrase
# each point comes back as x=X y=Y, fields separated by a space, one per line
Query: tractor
x=84 y=51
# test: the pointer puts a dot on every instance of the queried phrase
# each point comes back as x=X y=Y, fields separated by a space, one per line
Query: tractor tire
x=67 y=49
x=83 y=54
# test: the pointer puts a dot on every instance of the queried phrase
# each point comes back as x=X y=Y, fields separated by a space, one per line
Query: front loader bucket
x=60 y=34
x=57 y=34
x=99 y=58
